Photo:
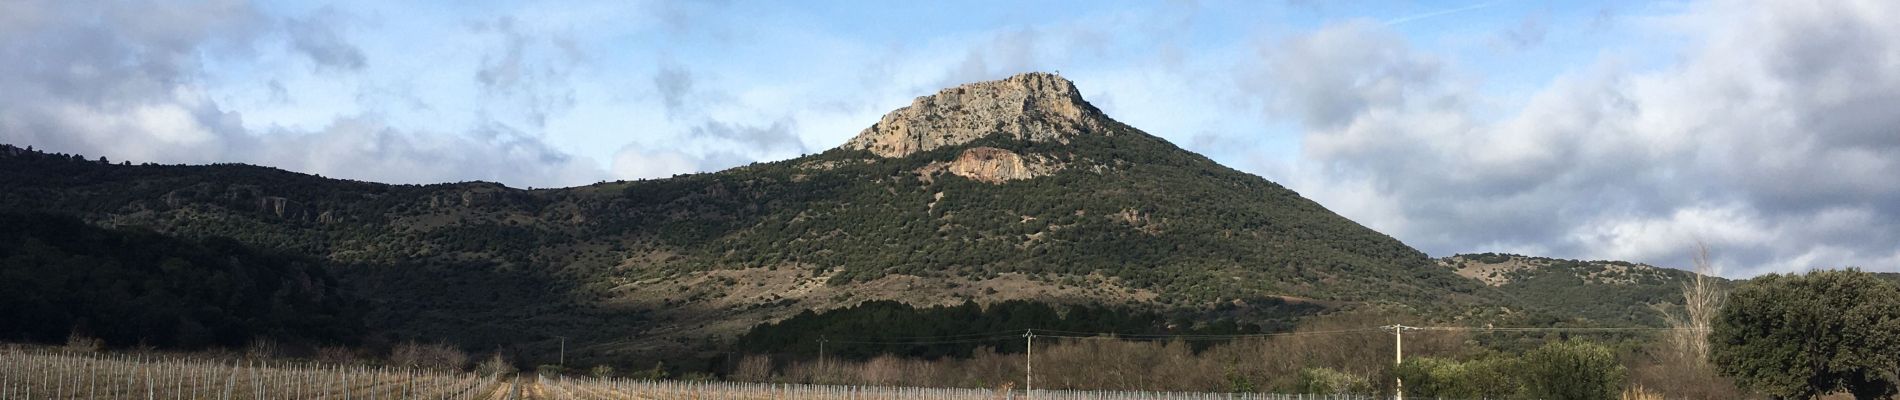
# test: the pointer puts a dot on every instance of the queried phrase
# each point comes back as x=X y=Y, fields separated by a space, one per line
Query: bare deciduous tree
x=81 y=343
x=754 y=368
x=495 y=365
x=1701 y=299
x=260 y=349
x=338 y=355
x=437 y=356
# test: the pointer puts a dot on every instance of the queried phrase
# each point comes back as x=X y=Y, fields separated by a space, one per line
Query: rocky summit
x=1033 y=106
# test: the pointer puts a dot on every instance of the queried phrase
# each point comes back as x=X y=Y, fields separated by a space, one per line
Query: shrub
x=1493 y=377
x=80 y=343
x=337 y=355
x=260 y=348
x=495 y=365
x=1572 y=370
x=1432 y=377
x=1637 y=392
x=656 y=373
x=753 y=368
x=439 y=356
x=1488 y=378
x=1328 y=381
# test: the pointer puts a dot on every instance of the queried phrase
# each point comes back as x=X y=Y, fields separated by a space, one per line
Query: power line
x=1190 y=337
x=952 y=336
x=1550 y=329
x=925 y=342
x=1054 y=333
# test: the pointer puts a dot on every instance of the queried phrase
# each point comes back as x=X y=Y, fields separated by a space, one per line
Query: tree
x=1701 y=298
x=1799 y=336
x=1433 y=377
x=1571 y=370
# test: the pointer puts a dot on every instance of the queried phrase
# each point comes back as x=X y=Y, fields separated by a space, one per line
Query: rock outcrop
x=1033 y=106
x=991 y=165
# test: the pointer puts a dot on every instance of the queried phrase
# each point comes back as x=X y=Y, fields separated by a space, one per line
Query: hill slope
x=991 y=191
x=59 y=275
x=1596 y=291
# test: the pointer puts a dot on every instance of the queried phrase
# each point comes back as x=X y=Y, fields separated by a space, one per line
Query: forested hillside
x=1058 y=205
x=60 y=276
x=1602 y=291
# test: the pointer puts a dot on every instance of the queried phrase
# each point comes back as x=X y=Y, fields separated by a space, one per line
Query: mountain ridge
x=950 y=210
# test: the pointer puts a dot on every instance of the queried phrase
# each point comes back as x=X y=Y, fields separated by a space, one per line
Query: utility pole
x=1398 y=356
x=1029 y=364
x=563 y=351
x=821 y=351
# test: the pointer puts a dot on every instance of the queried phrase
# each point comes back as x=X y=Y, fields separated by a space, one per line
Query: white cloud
x=637 y=163
x=1763 y=142
x=364 y=148
x=128 y=82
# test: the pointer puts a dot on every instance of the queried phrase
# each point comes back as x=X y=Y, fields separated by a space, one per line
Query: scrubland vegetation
x=1355 y=362
x=1780 y=336
x=1785 y=336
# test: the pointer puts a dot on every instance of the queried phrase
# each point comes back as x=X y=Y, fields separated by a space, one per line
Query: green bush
x=1493 y=378
x=1556 y=371
x=1487 y=378
x=1571 y=370
x=1800 y=336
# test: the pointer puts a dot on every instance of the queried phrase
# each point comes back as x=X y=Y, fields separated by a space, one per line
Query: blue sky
x=590 y=67
x=1598 y=130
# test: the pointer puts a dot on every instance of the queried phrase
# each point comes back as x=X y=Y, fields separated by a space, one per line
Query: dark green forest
x=59 y=276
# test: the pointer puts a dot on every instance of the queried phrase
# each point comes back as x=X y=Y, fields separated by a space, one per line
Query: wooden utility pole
x=1398 y=356
x=1029 y=364
x=822 y=364
x=563 y=351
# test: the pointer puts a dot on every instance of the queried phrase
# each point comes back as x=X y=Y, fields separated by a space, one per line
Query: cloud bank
x=1767 y=142
x=128 y=82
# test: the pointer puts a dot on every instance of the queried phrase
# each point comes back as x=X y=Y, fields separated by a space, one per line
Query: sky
x=1615 y=130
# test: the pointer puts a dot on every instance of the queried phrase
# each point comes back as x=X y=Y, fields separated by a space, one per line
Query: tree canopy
x=1800 y=336
x=60 y=275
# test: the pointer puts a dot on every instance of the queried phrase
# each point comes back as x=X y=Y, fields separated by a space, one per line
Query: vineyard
x=50 y=374
x=53 y=375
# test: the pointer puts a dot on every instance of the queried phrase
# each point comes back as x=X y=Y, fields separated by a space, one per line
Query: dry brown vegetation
x=1678 y=367
x=1266 y=364
x=434 y=357
x=1701 y=299
x=555 y=387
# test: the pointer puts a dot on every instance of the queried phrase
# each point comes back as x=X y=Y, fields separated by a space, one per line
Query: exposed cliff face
x=1033 y=106
x=991 y=165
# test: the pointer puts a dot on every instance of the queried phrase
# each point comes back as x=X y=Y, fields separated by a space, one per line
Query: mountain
x=1604 y=291
x=1015 y=189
